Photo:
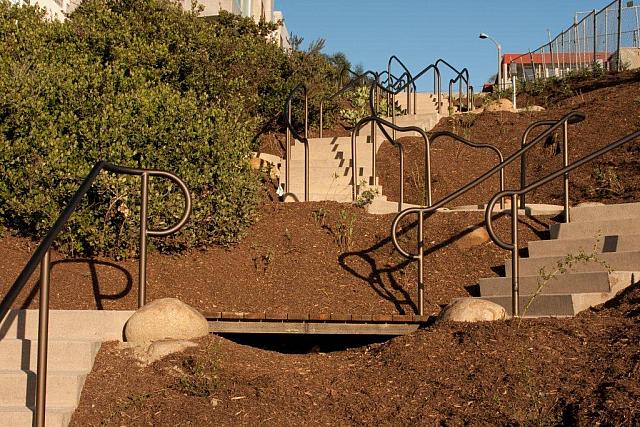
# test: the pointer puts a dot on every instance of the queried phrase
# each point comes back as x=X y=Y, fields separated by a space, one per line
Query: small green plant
x=607 y=181
x=319 y=216
x=563 y=266
x=366 y=197
x=344 y=230
x=262 y=257
x=199 y=379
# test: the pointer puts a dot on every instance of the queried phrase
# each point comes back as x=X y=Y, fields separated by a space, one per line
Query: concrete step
x=318 y=197
x=103 y=325
x=22 y=416
x=560 y=305
x=605 y=227
x=587 y=213
x=622 y=261
x=614 y=243
x=63 y=355
x=560 y=284
x=63 y=387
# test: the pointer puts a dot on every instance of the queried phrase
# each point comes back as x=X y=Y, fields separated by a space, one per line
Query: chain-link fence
x=608 y=38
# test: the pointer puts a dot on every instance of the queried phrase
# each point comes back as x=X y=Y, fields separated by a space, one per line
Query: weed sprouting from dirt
x=607 y=181
x=319 y=216
x=200 y=377
x=562 y=266
x=344 y=230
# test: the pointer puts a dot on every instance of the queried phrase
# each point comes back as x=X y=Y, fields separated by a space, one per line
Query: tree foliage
x=140 y=83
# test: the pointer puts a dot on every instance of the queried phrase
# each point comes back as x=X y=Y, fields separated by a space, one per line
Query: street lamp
x=486 y=36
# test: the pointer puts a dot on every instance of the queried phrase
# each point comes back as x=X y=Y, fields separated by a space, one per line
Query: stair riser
x=596 y=213
x=542 y=305
x=25 y=417
x=18 y=388
x=579 y=230
x=561 y=284
x=623 y=243
x=67 y=324
x=62 y=355
x=621 y=261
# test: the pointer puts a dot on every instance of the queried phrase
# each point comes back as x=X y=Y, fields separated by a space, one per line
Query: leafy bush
x=140 y=83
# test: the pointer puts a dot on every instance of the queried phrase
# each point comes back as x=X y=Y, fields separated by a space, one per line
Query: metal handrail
x=42 y=256
x=353 y=82
x=460 y=78
x=421 y=211
x=436 y=135
x=565 y=158
x=409 y=79
x=514 y=194
x=382 y=123
x=464 y=71
x=413 y=79
x=291 y=131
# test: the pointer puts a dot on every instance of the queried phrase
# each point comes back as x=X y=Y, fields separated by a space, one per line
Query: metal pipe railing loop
x=42 y=256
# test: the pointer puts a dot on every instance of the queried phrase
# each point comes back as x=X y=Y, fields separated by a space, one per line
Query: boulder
x=501 y=104
x=166 y=318
x=473 y=310
x=476 y=237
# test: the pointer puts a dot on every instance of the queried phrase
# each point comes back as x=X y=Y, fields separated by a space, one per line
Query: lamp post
x=486 y=36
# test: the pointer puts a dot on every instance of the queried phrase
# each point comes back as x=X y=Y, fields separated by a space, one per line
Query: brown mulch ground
x=612 y=112
x=579 y=371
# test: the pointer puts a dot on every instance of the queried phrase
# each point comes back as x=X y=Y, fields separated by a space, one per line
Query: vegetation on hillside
x=139 y=83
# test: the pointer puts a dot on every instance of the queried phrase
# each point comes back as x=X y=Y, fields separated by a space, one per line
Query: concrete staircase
x=611 y=231
x=330 y=166
x=74 y=340
x=330 y=162
x=426 y=102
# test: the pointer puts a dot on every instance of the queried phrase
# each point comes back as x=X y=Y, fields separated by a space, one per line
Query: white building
x=259 y=10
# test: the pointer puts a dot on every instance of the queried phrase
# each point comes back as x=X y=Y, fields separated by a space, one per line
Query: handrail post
x=287 y=168
x=393 y=113
x=43 y=338
x=515 y=260
x=354 y=188
x=565 y=161
x=401 y=201
x=451 y=108
x=427 y=172
x=415 y=101
x=142 y=268
x=420 y=264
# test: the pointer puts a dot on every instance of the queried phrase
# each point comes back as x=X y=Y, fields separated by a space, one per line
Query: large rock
x=475 y=237
x=501 y=104
x=167 y=318
x=473 y=310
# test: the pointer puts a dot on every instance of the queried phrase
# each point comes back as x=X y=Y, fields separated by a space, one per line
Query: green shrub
x=140 y=84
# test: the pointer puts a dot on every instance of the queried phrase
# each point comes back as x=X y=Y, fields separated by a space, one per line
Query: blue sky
x=421 y=31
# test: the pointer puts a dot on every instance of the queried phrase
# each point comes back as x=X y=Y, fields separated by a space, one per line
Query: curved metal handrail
x=409 y=79
x=404 y=86
x=464 y=71
x=42 y=256
x=565 y=150
x=384 y=123
x=291 y=131
x=514 y=194
x=460 y=78
x=421 y=211
x=436 y=135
